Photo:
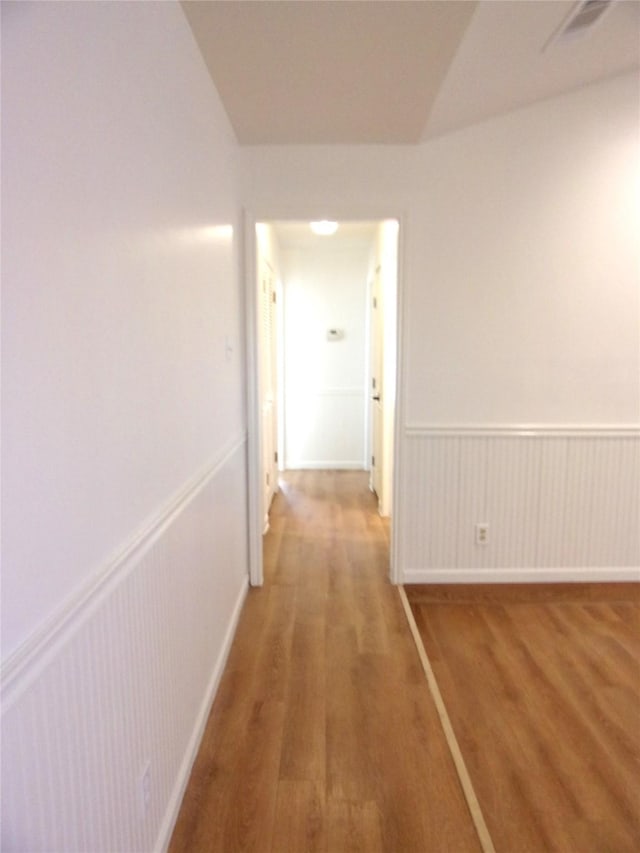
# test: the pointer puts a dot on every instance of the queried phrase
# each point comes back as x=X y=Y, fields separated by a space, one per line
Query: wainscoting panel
x=121 y=684
x=325 y=428
x=561 y=503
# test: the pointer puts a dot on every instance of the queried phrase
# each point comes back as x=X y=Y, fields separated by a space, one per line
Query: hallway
x=323 y=736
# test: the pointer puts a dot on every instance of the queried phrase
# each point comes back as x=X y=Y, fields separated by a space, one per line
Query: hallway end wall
x=324 y=289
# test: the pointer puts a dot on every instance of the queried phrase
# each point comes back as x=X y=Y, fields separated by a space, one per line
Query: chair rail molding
x=118 y=684
x=44 y=643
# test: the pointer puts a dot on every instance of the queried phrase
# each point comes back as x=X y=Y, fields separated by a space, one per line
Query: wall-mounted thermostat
x=335 y=334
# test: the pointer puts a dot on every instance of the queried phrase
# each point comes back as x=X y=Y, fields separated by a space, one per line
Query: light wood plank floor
x=542 y=686
x=323 y=736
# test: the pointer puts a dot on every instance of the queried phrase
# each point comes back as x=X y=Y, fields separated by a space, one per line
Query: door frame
x=375 y=332
x=254 y=431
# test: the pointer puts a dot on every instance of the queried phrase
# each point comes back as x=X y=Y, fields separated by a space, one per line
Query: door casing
x=254 y=427
x=376 y=389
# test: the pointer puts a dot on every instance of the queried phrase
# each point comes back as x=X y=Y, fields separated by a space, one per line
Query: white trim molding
x=325 y=465
x=309 y=212
x=44 y=644
x=561 y=502
x=481 y=576
x=191 y=752
x=119 y=683
x=524 y=430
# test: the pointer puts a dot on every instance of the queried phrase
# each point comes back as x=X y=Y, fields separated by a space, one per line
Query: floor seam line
x=473 y=804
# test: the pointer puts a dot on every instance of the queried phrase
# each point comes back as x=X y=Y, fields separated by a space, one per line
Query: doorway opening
x=322 y=358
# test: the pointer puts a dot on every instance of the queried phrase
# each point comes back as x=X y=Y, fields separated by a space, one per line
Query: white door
x=377 y=390
x=268 y=383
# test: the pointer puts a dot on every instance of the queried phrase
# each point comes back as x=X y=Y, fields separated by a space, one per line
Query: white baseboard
x=324 y=465
x=184 y=774
x=565 y=575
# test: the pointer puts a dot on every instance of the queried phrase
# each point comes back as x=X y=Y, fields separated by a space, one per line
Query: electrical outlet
x=145 y=789
x=482 y=533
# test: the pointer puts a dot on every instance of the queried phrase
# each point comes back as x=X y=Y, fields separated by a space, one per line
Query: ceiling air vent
x=580 y=19
x=586 y=15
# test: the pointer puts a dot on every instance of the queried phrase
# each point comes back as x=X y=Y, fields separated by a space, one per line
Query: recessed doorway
x=322 y=357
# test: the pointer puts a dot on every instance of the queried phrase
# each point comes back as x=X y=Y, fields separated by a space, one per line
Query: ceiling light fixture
x=324 y=227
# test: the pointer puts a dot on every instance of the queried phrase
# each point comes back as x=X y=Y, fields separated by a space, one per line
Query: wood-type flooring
x=542 y=687
x=323 y=735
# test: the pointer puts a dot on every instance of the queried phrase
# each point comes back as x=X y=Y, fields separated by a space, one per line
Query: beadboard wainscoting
x=561 y=504
x=103 y=711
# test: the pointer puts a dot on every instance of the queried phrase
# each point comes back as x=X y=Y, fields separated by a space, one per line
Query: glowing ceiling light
x=324 y=227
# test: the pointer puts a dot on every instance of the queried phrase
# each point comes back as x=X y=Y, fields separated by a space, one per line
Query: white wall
x=520 y=259
x=520 y=271
x=386 y=258
x=324 y=380
x=527 y=304
x=123 y=423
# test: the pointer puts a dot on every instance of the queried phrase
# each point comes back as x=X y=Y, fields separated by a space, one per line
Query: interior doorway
x=322 y=357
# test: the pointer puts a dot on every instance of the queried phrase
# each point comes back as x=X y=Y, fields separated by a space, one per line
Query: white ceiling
x=396 y=71
x=298 y=235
